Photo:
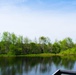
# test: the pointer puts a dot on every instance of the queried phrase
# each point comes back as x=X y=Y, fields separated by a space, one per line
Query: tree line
x=18 y=45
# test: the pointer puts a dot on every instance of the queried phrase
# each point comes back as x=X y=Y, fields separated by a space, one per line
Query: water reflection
x=34 y=66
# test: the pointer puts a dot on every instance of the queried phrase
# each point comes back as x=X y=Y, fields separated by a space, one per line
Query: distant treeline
x=18 y=45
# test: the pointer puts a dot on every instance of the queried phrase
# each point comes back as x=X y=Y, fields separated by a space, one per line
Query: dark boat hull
x=60 y=72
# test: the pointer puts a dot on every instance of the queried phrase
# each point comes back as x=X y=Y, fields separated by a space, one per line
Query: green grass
x=5 y=55
x=30 y=55
x=40 y=55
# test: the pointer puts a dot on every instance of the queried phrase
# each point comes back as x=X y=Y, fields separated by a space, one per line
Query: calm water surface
x=34 y=65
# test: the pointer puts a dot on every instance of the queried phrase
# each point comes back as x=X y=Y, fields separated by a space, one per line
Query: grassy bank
x=40 y=55
x=30 y=55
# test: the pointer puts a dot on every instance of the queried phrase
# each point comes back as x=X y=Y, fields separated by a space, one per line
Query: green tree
x=66 y=43
x=45 y=44
x=20 y=39
x=56 y=48
x=27 y=40
x=5 y=42
x=5 y=36
x=42 y=40
x=13 y=38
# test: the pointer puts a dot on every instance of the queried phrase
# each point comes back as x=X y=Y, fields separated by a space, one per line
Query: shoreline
x=37 y=55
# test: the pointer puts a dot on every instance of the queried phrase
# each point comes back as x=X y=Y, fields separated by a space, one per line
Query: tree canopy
x=18 y=45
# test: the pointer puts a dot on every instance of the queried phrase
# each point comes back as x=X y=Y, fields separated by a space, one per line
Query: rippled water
x=34 y=65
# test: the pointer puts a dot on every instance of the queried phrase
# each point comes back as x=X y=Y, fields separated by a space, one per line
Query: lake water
x=34 y=65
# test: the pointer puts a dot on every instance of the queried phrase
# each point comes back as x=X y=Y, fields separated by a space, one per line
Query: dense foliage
x=18 y=45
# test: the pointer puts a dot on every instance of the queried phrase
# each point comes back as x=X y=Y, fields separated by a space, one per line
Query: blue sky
x=55 y=19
